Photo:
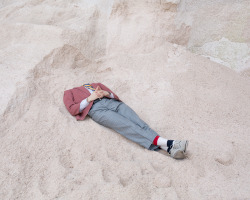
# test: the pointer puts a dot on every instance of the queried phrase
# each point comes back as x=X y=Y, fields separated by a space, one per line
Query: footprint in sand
x=225 y=158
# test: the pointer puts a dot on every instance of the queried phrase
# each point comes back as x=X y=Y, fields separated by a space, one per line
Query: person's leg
x=130 y=114
x=102 y=114
x=106 y=113
x=175 y=148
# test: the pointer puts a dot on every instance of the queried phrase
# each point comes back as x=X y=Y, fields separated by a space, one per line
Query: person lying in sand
x=105 y=108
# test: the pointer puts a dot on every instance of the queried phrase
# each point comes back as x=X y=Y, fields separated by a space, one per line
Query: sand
x=140 y=50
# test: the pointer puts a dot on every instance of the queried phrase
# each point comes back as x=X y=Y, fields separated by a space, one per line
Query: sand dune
x=141 y=51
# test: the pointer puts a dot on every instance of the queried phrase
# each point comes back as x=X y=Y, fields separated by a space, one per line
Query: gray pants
x=121 y=118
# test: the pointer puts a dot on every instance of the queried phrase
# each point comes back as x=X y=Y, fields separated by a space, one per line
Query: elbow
x=74 y=109
x=73 y=112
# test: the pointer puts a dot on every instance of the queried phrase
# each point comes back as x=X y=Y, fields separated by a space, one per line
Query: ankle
x=170 y=144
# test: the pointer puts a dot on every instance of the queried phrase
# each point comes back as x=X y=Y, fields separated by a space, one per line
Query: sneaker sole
x=179 y=155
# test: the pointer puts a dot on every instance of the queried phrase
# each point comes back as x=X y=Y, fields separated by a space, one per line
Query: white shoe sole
x=179 y=153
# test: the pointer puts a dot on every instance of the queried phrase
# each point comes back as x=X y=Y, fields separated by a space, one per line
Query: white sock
x=162 y=142
x=164 y=148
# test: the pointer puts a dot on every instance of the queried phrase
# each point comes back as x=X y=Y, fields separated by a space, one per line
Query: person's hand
x=92 y=97
x=95 y=95
x=101 y=92
x=98 y=93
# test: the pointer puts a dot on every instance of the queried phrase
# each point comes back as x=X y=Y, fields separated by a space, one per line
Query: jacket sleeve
x=72 y=107
x=103 y=87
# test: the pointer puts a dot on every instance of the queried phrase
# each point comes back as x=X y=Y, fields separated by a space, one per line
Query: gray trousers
x=121 y=118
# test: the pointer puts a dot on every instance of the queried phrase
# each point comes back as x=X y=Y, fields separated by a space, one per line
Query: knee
x=144 y=126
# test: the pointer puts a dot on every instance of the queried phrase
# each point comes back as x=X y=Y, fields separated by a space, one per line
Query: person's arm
x=84 y=103
x=72 y=107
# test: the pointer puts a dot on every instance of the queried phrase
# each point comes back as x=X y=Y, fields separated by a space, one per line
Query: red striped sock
x=156 y=139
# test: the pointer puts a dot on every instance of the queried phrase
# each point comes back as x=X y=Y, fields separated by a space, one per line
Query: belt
x=97 y=100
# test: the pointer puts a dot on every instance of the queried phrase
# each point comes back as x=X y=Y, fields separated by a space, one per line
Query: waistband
x=97 y=100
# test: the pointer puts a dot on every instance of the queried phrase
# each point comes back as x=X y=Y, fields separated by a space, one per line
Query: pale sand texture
x=49 y=46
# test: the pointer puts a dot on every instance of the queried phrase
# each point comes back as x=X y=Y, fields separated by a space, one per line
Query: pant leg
x=106 y=115
x=130 y=114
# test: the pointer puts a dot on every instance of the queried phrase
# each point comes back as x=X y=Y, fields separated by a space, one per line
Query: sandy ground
x=48 y=47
